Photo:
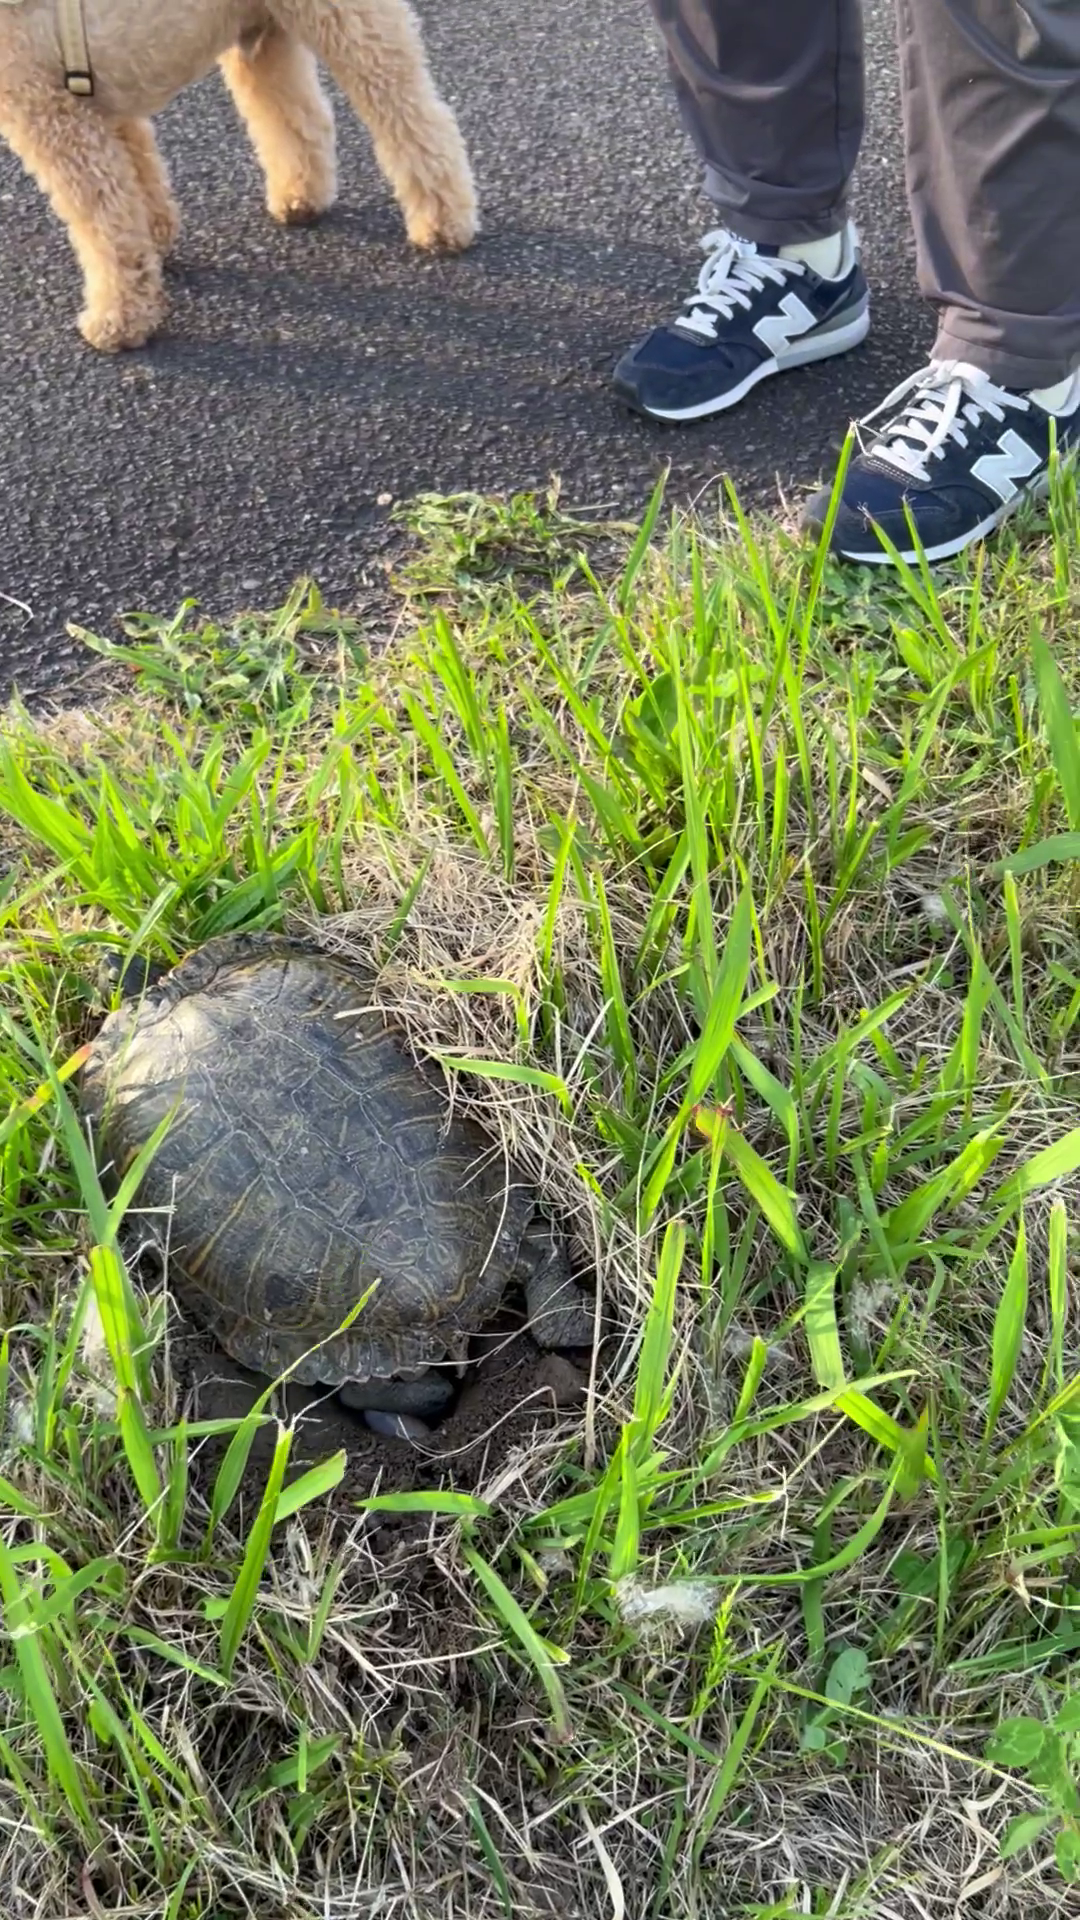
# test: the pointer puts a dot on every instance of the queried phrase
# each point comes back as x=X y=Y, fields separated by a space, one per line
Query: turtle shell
x=308 y=1159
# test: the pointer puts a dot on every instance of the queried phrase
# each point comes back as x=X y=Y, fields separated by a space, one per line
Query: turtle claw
x=396 y=1426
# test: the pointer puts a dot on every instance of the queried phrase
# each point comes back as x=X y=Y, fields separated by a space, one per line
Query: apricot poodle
x=90 y=144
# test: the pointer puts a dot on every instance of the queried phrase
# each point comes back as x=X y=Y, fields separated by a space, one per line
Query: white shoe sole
x=823 y=347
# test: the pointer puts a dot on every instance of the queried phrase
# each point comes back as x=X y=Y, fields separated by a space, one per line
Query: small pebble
x=396 y=1426
x=562 y=1379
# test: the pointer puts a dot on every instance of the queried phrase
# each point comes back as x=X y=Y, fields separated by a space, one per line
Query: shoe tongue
x=759 y=249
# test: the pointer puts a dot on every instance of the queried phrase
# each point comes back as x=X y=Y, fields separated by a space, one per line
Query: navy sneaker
x=755 y=313
x=958 y=451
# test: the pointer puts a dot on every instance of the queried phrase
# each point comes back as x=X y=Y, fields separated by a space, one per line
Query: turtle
x=310 y=1157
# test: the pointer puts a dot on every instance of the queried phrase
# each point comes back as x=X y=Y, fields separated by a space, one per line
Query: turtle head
x=131 y=976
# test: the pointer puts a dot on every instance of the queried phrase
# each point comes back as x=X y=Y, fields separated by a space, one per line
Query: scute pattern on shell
x=309 y=1157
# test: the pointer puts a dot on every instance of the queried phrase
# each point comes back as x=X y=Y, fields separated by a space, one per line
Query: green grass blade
x=103 y=1572
x=174 y=1656
x=245 y=1590
x=462 y=1506
x=661 y=1167
x=847 y=1556
x=908 y=1446
x=728 y=1771
x=312 y=1485
x=444 y=766
x=491 y=1855
x=778 y=1098
x=509 y=1071
x=624 y=1553
x=755 y=1368
x=108 y=1726
x=653 y=1389
x=1060 y=726
x=1008 y=1333
x=1056 y=1162
x=41 y=1702
x=640 y=547
x=1057 y=849
x=905 y=1223
x=1014 y=925
x=760 y=1182
x=620 y=1038
x=517 y=1622
x=1058 y=1286
x=174 y=1501
x=822 y=1331
x=137 y=1446
x=234 y=1465
x=725 y=1001
x=121 y=1322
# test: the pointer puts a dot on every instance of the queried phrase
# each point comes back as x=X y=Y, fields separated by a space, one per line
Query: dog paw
x=298 y=212
x=443 y=223
x=301 y=194
x=437 y=195
x=118 y=329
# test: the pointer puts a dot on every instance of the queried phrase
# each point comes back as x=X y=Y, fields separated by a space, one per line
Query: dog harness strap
x=77 y=75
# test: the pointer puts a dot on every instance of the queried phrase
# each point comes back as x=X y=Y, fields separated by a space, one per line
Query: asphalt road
x=307 y=373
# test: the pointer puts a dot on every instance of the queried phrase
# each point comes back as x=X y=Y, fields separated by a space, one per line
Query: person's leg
x=773 y=101
x=991 y=95
x=772 y=98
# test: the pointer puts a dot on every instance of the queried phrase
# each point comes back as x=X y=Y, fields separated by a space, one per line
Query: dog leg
x=375 y=52
x=162 y=210
x=275 y=88
x=82 y=164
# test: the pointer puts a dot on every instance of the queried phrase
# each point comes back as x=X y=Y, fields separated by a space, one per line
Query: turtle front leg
x=559 y=1310
x=399 y=1409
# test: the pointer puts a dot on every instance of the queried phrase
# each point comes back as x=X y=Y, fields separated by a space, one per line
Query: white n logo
x=1001 y=471
x=777 y=330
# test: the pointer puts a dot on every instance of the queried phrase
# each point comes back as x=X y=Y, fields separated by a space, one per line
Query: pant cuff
x=1016 y=370
x=781 y=225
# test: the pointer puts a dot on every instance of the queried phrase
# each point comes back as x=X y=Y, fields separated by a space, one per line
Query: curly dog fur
x=98 y=161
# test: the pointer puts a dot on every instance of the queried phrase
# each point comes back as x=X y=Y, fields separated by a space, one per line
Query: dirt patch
x=509 y=1394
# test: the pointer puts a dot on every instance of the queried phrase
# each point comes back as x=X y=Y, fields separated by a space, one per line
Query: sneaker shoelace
x=943 y=401
x=733 y=272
